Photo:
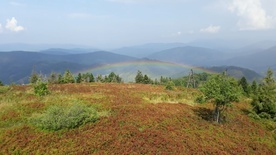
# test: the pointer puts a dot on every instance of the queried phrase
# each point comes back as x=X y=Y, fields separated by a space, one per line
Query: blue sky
x=115 y=23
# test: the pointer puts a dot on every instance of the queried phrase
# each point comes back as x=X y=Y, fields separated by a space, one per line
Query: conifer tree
x=79 y=78
x=68 y=77
x=1 y=84
x=243 y=83
x=34 y=77
x=264 y=101
x=139 y=77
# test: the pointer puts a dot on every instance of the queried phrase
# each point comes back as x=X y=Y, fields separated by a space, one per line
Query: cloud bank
x=210 y=29
x=252 y=15
x=12 y=25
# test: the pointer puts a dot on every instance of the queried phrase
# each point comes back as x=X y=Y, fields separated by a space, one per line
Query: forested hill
x=18 y=65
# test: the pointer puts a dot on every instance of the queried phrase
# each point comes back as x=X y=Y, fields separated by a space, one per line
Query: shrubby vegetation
x=264 y=100
x=1 y=84
x=41 y=88
x=64 y=117
x=222 y=91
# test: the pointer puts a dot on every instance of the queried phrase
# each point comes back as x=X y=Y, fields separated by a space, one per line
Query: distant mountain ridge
x=17 y=66
x=190 y=55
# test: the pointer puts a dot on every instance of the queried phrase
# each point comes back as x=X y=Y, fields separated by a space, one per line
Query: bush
x=265 y=115
x=60 y=117
x=200 y=99
x=41 y=89
x=170 y=85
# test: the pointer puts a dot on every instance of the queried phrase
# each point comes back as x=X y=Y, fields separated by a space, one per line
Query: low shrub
x=170 y=85
x=41 y=89
x=4 y=89
x=200 y=99
x=64 y=117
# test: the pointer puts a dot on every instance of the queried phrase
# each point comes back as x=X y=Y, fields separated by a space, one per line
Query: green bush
x=4 y=89
x=41 y=89
x=64 y=117
x=200 y=99
x=170 y=85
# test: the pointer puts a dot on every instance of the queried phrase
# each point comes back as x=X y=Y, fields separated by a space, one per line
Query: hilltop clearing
x=133 y=119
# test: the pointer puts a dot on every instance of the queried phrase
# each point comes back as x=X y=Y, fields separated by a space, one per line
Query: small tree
x=264 y=101
x=68 y=77
x=254 y=87
x=34 y=77
x=79 y=78
x=91 y=78
x=243 y=83
x=53 y=78
x=222 y=91
x=139 y=77
x=147 y=80
x=1 y=84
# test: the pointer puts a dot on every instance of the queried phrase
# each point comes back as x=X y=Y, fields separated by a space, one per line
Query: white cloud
x=1 y=28
x=211 y=29
x=12 y=25
x=252 y=15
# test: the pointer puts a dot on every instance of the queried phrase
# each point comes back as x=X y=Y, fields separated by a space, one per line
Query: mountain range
x=155 y=60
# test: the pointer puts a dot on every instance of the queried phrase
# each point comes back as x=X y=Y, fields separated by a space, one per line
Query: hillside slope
x=259 y=61
x=17 y=66
x=189 y=55
x=136 y=119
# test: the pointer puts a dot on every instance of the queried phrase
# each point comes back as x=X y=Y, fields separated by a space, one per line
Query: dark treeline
x=68 y=77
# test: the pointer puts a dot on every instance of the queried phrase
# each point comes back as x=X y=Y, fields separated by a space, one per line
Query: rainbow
x=152 y=63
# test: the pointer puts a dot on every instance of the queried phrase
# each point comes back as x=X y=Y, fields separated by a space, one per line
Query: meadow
x=133 y=119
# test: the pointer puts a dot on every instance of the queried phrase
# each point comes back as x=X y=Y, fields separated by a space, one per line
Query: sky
x=116 y=23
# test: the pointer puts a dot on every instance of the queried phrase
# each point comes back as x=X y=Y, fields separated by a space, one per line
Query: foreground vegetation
x=127 y=119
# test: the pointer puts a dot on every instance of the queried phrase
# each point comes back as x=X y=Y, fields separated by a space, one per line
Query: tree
x=254 y=87
x=243 y=83
x=147 y=80
x=53 y=78
x=60 y=79
x=222 y=91
x=79 y=78
x=99 y=78
x=139 y=77
x=1 y=84
x=264 y=101
x=91 y=78
x=68 y=77
x=34 y=77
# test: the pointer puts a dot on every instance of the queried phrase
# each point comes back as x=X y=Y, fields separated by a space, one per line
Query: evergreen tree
x=146 y=80
x=60 y=79
x=243 y=83
x=139 y=77
x=34 y=77
x=91 y=78
x=68 y=77
x=264 y=102
x=1 y=84
x=100 y=78
x=222 y=91
x=79 y=78
x=53 y=78
x=254 y=87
